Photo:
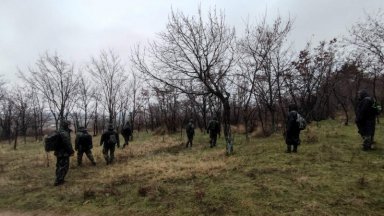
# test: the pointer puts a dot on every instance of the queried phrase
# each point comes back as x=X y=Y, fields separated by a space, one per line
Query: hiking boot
x=57 y=183
x=288 y=149
x=294 y=149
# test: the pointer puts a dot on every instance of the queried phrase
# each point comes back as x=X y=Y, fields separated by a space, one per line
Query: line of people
x=83 y=145
x=213 y=130
x=366 y=112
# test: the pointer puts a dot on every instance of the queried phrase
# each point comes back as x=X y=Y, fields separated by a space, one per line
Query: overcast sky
x=78 y=29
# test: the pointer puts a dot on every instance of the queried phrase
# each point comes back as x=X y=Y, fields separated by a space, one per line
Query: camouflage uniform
x=190 y=129
x=109 y=148
x=63 y=151
x=292 y=132
x=83 y=144
x=127 y=133
x=213 y=129
x=366 y=119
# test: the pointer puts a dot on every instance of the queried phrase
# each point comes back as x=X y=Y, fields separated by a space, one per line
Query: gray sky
x=78 y=29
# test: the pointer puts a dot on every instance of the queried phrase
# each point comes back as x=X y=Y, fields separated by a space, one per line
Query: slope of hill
x=156 y=175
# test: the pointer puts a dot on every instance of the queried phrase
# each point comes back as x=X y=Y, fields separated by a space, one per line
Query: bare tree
x=109 y=74
x=22 y=107
x=84 y=103
x=368 y=35
x=136 y=102
x=309 y=83
x=40 y=117
x=192 y=52
x=56 y=81
x=347 y=82
x=367 y=40
x=262 y=64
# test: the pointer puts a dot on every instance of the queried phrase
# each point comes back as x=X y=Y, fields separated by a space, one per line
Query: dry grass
x=156 y=175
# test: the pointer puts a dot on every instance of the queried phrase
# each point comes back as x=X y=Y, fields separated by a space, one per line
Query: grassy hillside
x=156 y=175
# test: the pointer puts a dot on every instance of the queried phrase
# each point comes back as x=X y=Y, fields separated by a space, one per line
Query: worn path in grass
x=156 y=175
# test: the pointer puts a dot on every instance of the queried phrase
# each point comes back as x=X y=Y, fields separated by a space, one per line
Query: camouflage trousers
x=62 y=166
x=189 y=142
x=367 y=142
x=109 y=154
x=213 y=140
x=89 y=156
x=126 y=140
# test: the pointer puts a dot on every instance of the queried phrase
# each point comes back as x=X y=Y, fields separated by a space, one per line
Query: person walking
x=63 y=152
x=109 y=140
x=213 y=130
x=83 y=144
x=366 y=112
x=190 y=130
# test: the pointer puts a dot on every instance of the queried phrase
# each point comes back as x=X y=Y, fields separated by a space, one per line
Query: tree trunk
x=16 y=135
x=227 y=125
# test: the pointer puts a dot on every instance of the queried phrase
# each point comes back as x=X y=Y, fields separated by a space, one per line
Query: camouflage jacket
x=64 y=149
x=105 y=137
x=213 y=127
x=83 y=141
x=190 y=129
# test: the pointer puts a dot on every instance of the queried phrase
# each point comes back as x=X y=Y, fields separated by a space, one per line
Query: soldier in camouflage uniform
x=366 y=119
x=83 y=144
x=109 y=140
x=63 y=151
x=213 y=129
x=292 y=130
x=127 y=133
x=190 y=129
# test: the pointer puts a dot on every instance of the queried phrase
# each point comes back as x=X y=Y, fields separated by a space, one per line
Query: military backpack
x=301 y=121
x=52 y=141
x=112 y=139
x=85 y=140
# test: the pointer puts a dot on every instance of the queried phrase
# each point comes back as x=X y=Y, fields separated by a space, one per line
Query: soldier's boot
x=111 y=158
x=366 y=143
x=211 y=143
x=91 y=158
x=79 y=159
x=106 y=156
x=106 y=159
x=294 y=149
x=288 y=149
x=57 y=183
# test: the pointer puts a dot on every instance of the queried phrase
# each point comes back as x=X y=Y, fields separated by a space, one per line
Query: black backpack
x=52 y=141
x=126 y=130
x=190 y=128
x=216 y=126
x=112 y=139
x=85 y=140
